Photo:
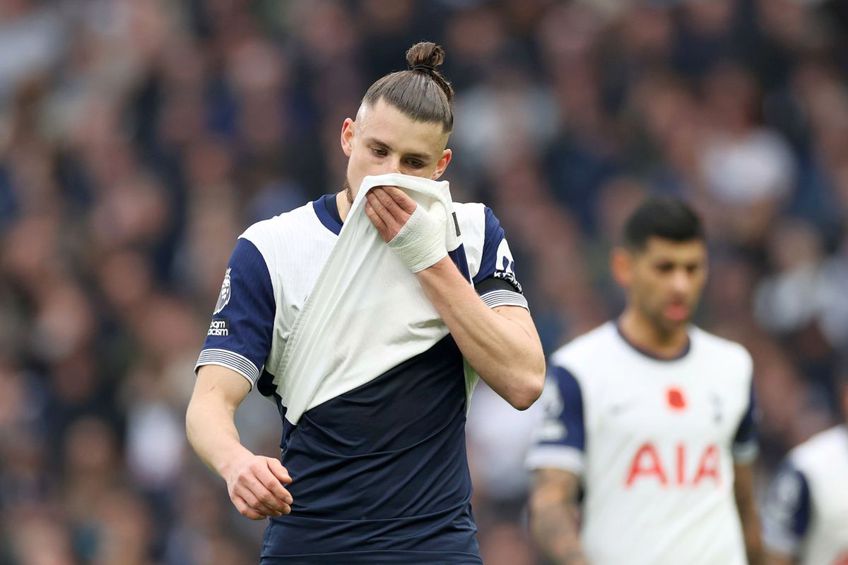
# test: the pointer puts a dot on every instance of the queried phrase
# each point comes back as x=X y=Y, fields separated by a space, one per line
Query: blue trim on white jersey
x=327 y=210
x=560 y=441
x=571 y=414
x=240 y=334
x=787 y=511
x=460 y=260
x=641 y=351
x=490 y=263
x=495 y=280
x=745 y=444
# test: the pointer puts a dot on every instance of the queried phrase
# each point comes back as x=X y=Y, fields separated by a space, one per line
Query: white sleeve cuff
x=503 y=297
x=744 y=453
x=238 y=363
x=556 y=457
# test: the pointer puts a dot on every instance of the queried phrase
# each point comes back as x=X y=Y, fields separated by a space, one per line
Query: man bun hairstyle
x=663 y=217
x=420 y=92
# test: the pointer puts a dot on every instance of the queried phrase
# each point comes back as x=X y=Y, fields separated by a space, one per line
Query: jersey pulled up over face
x=380 y=472
x=654 y=442
x=806 y=511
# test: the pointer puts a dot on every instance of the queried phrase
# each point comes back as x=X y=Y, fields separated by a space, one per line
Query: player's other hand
x=410 y=231
x=255 y=484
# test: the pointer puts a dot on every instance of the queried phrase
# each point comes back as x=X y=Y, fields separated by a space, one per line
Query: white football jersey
x=654 y=442
x=806 y=513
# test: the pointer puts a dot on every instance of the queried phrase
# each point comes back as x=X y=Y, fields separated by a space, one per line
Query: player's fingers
x=392 y=207
x=259 y=497
x=245 y=510
x=402 y=199
x=261 y=504
x=373 y=198
x=273 y=484
x=276 y=467
x=377 y=221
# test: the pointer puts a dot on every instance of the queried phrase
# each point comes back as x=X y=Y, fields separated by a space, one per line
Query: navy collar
x=642 y=351
x=328 y=212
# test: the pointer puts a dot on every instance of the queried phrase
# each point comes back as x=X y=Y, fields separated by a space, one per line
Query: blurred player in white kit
x=651 y=418
x=805 y=519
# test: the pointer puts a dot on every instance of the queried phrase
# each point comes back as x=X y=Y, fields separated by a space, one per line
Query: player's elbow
x=524 y=395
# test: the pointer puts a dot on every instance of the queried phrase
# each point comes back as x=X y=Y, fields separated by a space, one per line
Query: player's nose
x=681 y=281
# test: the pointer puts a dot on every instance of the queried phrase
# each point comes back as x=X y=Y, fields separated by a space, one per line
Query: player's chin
x=675 y=322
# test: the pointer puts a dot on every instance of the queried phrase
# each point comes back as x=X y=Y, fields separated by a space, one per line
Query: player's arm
x=235 y=349
x=745 y=449
x=776 y=559
x=553 y=516
x=743 y=489
x=786 y=515
x=558 y=459
x=255 y=483
x=501 y=343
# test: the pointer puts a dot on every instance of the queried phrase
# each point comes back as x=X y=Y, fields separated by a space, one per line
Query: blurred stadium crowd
x=138 y=138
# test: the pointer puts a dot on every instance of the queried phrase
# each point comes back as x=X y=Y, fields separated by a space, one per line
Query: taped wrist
x=420 y=243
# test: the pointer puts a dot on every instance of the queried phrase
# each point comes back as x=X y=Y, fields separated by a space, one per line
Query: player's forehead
x=657 y=248
x=386 y=123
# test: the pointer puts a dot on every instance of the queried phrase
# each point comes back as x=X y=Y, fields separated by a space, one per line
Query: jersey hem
x=375 y=556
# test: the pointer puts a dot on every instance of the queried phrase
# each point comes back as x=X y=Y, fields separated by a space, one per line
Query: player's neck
x=343 y=204
x=645 y=336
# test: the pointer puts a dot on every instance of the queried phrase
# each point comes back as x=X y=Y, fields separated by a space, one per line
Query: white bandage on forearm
x=420 y=243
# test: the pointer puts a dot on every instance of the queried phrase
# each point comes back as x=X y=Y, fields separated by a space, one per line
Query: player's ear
x=443 y=163
x=346 y=139
x=621 y=266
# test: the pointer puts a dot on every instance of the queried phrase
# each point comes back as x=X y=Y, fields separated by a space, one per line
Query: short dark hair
x=420 y=92
x=664 y=217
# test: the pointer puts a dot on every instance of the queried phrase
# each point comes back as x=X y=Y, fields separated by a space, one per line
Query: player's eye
x=664 y=268
x=379 y=151
x=415 y=163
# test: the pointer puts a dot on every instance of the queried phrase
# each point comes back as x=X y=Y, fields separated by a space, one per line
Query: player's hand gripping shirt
x=654 y=442
x=380 y=471
x=806 y=513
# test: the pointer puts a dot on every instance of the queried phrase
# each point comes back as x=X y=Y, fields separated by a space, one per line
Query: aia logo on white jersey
x=224 y=295
x=648 y=465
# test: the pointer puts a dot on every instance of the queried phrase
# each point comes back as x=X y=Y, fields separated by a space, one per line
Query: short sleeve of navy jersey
x=787 y=510
x=240 y=333
x=560 y=440
x=495 y=281
x=745 y=446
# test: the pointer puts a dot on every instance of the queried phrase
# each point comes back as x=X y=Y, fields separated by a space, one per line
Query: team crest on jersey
x=224 y=295
x=505 y=266
x=715 y=401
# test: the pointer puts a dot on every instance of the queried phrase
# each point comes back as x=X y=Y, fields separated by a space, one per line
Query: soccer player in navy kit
x=377 y=474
